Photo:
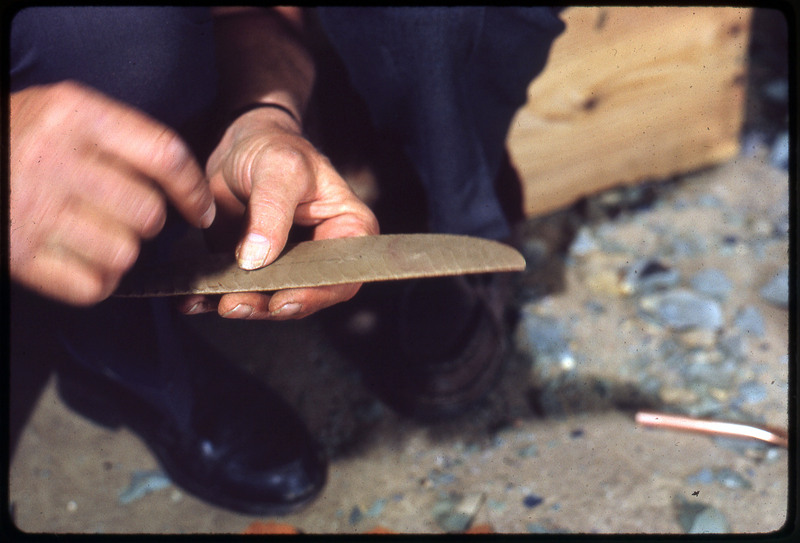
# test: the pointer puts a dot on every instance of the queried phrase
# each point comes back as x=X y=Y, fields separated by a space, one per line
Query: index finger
x=157 y=152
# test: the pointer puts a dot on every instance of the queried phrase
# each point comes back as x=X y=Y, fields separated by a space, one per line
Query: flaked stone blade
x=329 y=262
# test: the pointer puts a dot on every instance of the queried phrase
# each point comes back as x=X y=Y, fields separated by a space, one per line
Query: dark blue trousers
x=446 y=82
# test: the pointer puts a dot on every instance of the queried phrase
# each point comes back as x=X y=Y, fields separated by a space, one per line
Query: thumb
x=270 y=214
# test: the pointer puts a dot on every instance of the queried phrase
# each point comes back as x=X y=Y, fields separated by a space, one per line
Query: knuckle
x=154 y=211
x=285 y=158
x=170 y=152
x=126 y=253
x=93 y=288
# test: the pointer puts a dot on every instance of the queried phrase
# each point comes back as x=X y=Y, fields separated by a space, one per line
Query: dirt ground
x=570 y=460
x=555 y=448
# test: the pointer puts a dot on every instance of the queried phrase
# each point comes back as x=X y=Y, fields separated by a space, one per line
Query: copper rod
x=768 y=434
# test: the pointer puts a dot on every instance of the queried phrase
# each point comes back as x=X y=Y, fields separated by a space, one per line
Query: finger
x=158 y=153
x=196 y=304
x=285 y=304
x=65 y=277
x=126 y=197
x=245 y=305
x=280 y=180
x=300 y=303
x=336 y=211
x=92 y=236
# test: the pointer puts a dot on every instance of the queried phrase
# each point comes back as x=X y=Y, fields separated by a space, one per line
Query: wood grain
x=631 y=94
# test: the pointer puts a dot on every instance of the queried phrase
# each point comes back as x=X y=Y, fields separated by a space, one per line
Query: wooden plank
x=631 y=94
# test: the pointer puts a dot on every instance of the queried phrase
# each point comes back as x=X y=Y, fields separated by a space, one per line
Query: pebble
x=717 y=375
x=376 y=508
x=355 y=515
x=143 y=483
x=699 y=518
x=437 y=478
x=776 y=291
x=752 y=392
x=730 y=479
x=779 y=156
x=532 y=500
x=584 y=243
x=455 y=513
x=704 y=476
x=709 y=521
x=750 y=321
x=531 y=451
x=536 y=528
x=712 y=282
x=546 y=339
x=682 y=309
x=698 y=339
x=648 y=275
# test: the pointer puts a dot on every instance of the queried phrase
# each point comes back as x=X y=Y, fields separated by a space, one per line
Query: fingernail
x=199 y=307
x=241 y=311
x=287 y=310
x=208 y=216
x=253 y=251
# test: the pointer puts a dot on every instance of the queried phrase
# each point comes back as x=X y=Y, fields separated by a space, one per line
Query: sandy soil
x=579 y=451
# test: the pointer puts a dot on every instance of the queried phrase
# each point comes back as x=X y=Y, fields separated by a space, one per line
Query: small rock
x=709 y=521
x=750 y=321
x=731 y=479
x=704 y=476
x=781 y=226
x=698 y=339
x=752 y=392
x=355 y=515
x=143 y=483
x=531 y=451
x=438 y=478
x=699 y=518
x=779 y=156
x=712 y=282
x=532 y=500
x=715 y=375
x=677 y=396
x=376 y=508
x=72 y=506
x=776 y=291
x=647 y=275
x=682 y=309
x=546 y=339
x=536 y=528
x=584 y=243
x=455 y=513
x=706 y=407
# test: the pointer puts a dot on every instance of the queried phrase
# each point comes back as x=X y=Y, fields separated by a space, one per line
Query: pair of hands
x=90 y=178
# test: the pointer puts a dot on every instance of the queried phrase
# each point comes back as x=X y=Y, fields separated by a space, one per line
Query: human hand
x=265 y=174
x=89 y=179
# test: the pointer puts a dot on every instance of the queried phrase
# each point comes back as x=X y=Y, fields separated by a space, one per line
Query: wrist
x=238 y=112
x=259 y=116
